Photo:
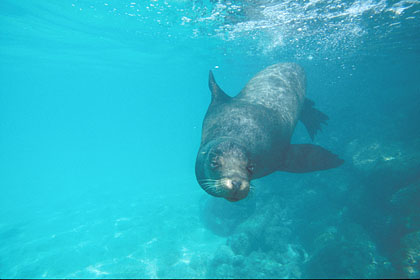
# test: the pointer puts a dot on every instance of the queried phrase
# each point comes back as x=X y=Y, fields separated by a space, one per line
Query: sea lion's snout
x=230 y=189
x=236 y=189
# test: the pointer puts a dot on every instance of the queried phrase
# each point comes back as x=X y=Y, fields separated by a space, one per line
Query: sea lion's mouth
x=236 y=189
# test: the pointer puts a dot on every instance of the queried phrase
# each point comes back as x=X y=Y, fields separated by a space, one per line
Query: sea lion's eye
x=250 y=168
x=214 y=163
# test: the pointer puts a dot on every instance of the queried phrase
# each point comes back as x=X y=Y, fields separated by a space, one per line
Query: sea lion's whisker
x=251 y=189
x=206 y=188
x=210 y=183
x=211 y=188
x=209 y=179
x=214 y=183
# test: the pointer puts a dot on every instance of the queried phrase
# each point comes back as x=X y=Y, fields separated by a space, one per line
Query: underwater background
x=101 y=107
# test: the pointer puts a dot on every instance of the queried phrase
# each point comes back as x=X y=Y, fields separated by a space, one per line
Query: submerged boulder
x=406 y=206
x=384 y=162
x=346 y=252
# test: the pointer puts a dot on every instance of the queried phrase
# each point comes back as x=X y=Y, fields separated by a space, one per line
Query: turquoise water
x=101 y=106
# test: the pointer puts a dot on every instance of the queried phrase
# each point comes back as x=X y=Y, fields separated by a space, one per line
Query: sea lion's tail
x=312 y=118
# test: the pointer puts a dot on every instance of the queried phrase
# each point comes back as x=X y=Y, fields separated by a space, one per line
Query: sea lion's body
x=250 y=133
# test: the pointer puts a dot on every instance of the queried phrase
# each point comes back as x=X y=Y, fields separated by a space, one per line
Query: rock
x=410 y=255
x=221 y=266
x=346 y=252
x=260 y=265
x=406 y=203
x=407 y=199
x=276 y=238
x=240 y=244
x=388 y=162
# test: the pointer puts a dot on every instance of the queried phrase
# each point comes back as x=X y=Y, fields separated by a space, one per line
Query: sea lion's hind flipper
x=217 y=94
x=301 y=158
x=312 y=118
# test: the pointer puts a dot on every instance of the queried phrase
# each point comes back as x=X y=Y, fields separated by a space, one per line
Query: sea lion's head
x=223 y=169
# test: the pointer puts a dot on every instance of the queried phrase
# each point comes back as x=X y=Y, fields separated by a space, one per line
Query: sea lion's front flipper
x=301 y=158
x=217 y=94
x=312 y=118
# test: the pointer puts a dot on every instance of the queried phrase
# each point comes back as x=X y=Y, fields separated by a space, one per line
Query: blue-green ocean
x=101 y=108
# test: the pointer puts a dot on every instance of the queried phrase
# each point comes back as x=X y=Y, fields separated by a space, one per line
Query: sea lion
x=248 y=136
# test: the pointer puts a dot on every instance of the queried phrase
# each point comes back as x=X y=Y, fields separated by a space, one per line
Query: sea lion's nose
x=236 y=185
